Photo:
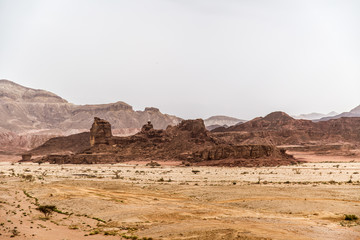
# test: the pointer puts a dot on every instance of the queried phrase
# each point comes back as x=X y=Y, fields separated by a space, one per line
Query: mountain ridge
x=24 y=109
x=278 y=128
x=355 y=112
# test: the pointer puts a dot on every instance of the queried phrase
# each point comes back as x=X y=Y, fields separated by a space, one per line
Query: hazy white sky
x=191 y=58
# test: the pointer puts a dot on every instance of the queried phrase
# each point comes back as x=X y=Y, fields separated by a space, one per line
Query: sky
x=189 y=58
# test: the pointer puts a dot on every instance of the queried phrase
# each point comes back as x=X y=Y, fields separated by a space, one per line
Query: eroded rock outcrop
x=100 y=132
x=188 y=141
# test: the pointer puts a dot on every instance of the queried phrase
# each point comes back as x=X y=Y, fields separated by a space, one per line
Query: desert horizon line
x=296 y=116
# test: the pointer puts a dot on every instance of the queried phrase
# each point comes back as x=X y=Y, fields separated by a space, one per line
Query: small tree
x=117 y=174
x=47 y=210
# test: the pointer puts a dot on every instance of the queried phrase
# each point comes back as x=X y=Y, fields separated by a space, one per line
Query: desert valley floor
x=134 y=201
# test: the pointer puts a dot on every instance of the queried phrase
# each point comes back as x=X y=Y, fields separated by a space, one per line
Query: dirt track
x=295 y=202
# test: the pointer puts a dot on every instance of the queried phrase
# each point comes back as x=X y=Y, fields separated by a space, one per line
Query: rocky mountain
x=25 y=111
x=315 y=116
x=353 y=113
x=279 y=128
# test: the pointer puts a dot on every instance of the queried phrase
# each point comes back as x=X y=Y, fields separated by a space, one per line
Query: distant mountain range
x=315 y=116
x=221 y=121
x=353 y=113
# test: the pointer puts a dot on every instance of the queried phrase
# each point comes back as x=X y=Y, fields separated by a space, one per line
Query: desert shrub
x=14 y=233
x=28 y=177
x=195 y=171
x=110 y=233
x=47 y=210
x=73 y=227
x=117 y=174
x=351 y=217
x=130 y=237
x=94 y=232
x=153 y=164
x=98 y=219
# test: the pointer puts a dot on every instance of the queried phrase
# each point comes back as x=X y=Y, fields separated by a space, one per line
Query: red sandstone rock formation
x=189 y=141
x=100 y=132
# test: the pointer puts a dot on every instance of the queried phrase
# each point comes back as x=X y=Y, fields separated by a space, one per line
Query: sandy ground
x=9 y=158
x=130 y=201
x=313 y=157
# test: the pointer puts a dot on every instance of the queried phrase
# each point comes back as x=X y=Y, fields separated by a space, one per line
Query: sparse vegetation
x=351 y=217
x=94 y=232
x=14 y=233
x=47 y=210
x=195 y=171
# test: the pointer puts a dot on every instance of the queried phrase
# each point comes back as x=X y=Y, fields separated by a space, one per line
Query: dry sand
x=306 y=201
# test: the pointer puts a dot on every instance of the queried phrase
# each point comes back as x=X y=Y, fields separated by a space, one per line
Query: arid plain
x=135 y=201
x=272 y=177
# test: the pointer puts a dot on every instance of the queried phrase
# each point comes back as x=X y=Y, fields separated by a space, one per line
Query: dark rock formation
x=147 y=127
x=188 y=141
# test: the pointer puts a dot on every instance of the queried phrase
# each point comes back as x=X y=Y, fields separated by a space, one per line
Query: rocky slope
x=278 y=128
x=23 y=109
x=64 y=145
x=26 y=112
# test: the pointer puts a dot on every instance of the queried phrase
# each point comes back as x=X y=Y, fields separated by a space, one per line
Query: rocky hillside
x=26 y=112
x=23 y=109
x=279 y=128
x=63 y=145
